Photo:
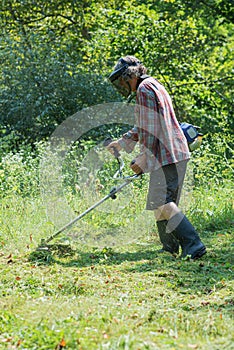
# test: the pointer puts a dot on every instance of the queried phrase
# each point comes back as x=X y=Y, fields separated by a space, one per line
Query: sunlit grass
x=112 y=289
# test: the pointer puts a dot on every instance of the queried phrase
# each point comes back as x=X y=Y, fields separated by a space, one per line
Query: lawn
x=124 y=296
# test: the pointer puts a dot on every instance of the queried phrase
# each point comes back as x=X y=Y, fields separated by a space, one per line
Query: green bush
x=214 y=162
x=56 y=57
x=19 y=173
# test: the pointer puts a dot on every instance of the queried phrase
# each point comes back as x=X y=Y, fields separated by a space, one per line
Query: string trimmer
x=112 y=194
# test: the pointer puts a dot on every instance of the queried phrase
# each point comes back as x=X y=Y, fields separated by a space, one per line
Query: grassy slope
x=122 y=298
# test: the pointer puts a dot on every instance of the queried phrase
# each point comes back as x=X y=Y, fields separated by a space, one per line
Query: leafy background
x=55 y=59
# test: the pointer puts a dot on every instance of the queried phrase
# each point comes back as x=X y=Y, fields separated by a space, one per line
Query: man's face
x=123 y=87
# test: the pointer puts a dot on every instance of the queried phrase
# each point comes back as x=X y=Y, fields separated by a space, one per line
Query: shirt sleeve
x=129 y=140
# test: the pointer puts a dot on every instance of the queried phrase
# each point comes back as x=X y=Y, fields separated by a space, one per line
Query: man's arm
x=129 y=140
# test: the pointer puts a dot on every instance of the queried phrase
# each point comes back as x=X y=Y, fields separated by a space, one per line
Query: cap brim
x=117 y=73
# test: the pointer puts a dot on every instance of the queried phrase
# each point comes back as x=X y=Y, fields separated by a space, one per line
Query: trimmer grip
x=106 y=142
x=132 y=163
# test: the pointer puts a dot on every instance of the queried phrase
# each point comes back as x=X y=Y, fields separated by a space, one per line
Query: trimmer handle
x=106 y=142
x=133 y=162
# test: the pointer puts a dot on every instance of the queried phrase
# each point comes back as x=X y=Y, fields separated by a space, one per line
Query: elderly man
x=164 y=154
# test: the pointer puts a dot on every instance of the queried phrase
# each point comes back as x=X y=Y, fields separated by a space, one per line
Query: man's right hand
x=114 y=148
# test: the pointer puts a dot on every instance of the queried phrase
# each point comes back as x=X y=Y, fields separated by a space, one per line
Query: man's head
x=126 y=73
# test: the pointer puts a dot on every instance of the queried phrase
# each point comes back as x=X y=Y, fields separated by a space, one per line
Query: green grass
x=120 y=297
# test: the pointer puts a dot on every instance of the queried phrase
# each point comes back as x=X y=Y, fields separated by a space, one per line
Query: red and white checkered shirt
x=157 y=129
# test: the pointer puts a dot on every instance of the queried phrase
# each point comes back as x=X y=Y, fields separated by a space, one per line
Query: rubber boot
x=167 y=239
x=187 y=236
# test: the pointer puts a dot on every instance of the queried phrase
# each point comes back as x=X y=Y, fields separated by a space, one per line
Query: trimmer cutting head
x=45 y=253
x=58 y=248
x=43 y=246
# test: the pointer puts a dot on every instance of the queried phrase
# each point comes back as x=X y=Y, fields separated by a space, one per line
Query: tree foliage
x=56 y=56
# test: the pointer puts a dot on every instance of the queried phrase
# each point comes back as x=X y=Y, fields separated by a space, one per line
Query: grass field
x=126 y=296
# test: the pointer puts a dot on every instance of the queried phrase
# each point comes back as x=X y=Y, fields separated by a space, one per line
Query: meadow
x=103 y=284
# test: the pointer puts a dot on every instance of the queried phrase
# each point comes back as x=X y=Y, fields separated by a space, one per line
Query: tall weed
x=19 y=172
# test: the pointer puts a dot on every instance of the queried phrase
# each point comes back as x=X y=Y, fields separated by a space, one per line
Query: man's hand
x=114 y=148
x=138 y=164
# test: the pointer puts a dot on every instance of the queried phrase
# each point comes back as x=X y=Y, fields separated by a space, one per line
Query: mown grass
x=126 y=296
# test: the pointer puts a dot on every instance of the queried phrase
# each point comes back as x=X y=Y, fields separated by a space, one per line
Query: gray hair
x=135 y=67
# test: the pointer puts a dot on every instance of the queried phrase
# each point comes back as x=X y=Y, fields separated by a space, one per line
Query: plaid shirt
x=157 y=129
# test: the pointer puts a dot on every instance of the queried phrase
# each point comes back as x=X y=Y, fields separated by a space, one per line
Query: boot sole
x=167 y=251
x=199 y=254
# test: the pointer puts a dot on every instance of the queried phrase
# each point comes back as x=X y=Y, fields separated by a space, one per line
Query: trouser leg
x=165 y=187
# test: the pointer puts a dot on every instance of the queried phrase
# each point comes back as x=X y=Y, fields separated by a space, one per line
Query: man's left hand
x=138 y=164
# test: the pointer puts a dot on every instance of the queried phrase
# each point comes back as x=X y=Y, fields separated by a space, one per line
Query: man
x=164 y=154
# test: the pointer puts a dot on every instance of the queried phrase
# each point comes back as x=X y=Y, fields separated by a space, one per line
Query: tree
x=56 y=55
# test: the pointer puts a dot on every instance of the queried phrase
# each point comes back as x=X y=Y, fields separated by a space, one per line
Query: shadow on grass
x=81 y=258
x=216 y=264
x=212 y=273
